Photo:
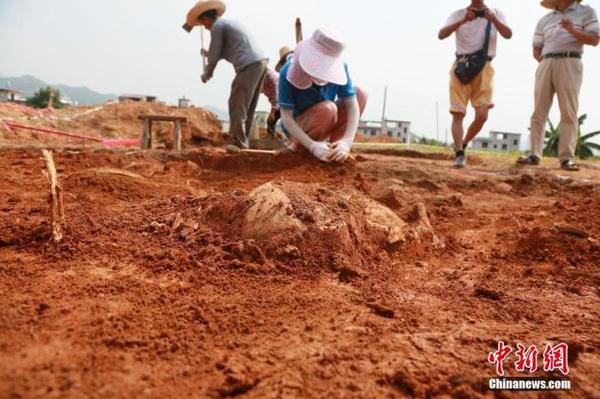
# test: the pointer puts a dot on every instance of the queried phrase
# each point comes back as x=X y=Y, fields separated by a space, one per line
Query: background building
x=10 y=95
x=398 y=130
x=498 y=141
x=138 y=98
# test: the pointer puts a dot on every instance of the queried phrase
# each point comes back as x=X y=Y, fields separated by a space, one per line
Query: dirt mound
x=406 y=153
x=304 y=225
x=381 y=139
x=112 y=120
x=560 y=245
x=116 y=183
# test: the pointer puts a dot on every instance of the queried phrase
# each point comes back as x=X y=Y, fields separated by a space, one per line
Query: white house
x=399 y=130
x=10 y=95
x=498 y=141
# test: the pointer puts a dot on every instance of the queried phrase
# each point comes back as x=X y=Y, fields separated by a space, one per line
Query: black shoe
x=569 y=165
x=461 y=160
x=531 y=159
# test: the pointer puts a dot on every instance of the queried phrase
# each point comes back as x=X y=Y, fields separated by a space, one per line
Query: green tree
x=42 y=97
x=585 y=147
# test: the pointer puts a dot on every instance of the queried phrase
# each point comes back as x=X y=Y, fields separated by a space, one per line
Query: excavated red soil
x=110 y=120
x=157 y=291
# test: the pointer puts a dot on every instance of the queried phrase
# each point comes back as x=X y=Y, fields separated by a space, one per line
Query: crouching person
x=558 y=47
x=320 y=107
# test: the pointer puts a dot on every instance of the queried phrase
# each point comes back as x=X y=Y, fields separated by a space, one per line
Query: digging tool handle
x=299 y=35
x=204 y=61
x=260 y=152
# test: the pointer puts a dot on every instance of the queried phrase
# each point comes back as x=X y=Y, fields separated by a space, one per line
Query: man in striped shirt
x=558 y=47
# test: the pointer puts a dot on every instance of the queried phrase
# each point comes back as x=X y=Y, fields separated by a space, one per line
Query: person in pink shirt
x=271 y=91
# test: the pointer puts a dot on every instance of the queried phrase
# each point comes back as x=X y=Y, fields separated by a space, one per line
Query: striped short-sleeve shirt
x=552 y=37
x=271 y=88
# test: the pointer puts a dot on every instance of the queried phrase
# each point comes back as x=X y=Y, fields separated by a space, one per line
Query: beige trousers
x=563 y=77
x=245 y=92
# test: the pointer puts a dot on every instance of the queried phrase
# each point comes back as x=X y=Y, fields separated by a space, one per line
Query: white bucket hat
x=321 y=58
x=200 y=8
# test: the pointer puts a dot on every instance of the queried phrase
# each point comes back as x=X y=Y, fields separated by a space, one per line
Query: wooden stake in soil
x=55 y=199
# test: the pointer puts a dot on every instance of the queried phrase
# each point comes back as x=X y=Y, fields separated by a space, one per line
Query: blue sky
x=119 y=46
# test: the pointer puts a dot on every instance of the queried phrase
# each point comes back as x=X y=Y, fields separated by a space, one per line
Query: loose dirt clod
x=270 y=215
x=573 y=231
x=109 y=120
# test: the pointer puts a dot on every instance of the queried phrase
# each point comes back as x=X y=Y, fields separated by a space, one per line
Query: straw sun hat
x=551 y=4
x=283 y=56
x=200 y=8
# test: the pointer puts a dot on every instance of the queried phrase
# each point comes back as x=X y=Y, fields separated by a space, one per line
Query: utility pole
x=383 y=118
x=437 y=121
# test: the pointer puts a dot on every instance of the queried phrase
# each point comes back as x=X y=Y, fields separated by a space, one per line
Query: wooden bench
x=146 y=140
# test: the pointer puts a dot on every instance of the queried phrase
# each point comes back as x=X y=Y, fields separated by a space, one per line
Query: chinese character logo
x=556 y=358
x=527 y=359
x=499 y=357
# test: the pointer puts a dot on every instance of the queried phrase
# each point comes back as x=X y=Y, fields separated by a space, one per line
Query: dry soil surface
x=209 y=275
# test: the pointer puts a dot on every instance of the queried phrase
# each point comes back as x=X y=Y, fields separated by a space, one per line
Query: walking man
x=558 y=47
x=231 y=41
x=475 y=28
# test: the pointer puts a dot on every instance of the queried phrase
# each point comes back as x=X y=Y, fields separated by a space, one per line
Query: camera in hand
x=480 y=13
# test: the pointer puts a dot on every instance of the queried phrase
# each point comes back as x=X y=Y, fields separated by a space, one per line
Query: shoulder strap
x=488 y=31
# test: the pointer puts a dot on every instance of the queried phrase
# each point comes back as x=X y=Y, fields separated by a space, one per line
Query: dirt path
x=153 y=292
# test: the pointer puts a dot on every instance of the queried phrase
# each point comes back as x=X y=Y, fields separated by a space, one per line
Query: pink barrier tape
x=7 y=128
x=54 y=132
x=121 y=143
x=109 y=143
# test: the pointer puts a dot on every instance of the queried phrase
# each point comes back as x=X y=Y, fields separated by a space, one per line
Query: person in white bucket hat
x=320 y=106
x=232 y=42
x=558 y=47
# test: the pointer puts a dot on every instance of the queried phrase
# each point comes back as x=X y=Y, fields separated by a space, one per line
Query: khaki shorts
x=479 y=91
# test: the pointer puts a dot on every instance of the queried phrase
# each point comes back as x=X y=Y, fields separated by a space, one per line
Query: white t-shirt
x=470 y=37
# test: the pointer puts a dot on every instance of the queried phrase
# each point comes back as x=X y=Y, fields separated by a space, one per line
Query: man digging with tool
x=558 y=46
x=231 y=41
x=320 y=107
x=472 y=75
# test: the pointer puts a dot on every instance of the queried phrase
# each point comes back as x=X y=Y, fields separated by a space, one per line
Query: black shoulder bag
x=468 y=66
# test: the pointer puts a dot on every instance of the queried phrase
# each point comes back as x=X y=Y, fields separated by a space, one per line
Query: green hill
x=28 y=85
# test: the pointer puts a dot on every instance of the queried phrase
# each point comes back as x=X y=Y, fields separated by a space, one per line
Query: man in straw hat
x=285 y=53
x=470 y=26
x=231 y=41
x=558 y=47
x=320 y=106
